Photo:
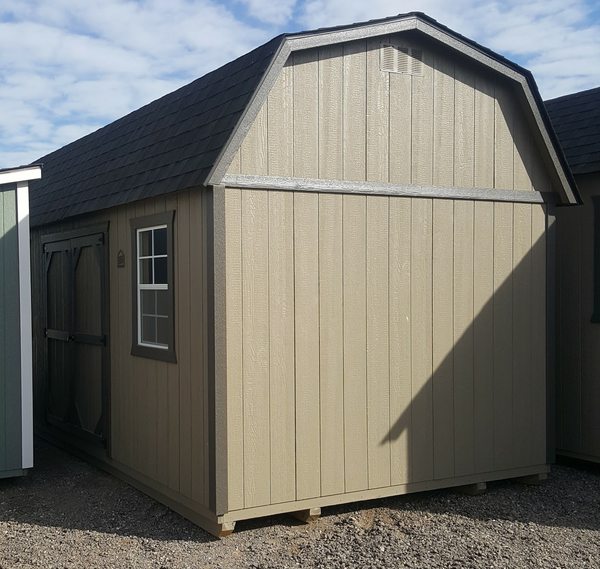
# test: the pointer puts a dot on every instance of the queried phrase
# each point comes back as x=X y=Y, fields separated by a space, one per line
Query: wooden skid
x=533 y=479
x=473 y=489
x=309 y=515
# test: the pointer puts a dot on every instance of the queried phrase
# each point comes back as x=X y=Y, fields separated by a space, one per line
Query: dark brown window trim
x=596 y=292
x=165 y=355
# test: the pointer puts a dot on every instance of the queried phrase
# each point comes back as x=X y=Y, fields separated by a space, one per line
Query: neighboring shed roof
x=186 y=138
x=576 y=120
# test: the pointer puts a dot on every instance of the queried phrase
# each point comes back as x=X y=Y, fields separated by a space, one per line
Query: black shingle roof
x=576 y=120
x=168 y=145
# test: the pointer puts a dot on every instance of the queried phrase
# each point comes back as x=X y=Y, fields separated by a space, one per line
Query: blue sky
x=69 y=67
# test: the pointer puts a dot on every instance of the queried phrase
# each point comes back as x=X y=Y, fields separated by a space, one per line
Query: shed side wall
x=159 y=410
x=377 y=341
x=10 y=351
x=333 y=114
x=578 y=339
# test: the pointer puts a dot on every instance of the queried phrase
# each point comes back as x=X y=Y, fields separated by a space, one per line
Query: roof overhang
x=429 y=27
x=20 y=174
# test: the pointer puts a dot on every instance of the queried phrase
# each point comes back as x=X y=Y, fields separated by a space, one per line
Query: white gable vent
x=400 y=59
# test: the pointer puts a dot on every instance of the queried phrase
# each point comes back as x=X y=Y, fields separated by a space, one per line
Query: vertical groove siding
x=10 y=362
x=333 y=114
x=578 y=356
x=159 y=421
x=414 y=349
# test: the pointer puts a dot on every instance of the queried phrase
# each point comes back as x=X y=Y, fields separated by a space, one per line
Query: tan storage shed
x=576 y=119
x=317 y=275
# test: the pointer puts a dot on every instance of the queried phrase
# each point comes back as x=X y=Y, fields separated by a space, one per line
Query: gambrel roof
x=188 y=138
x=576 y=120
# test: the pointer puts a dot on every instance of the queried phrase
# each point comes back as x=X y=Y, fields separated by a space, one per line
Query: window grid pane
x=153 y=321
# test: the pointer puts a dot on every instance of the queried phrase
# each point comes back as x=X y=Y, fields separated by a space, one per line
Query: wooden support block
x=533 y=479
x=475 y=489
x=307 y=516
x=225 y=529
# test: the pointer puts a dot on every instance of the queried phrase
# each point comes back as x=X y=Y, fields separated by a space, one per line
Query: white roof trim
x=20 y=175
x=402 y=24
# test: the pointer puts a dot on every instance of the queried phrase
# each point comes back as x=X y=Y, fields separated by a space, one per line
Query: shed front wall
x=376 y=341
x=159 y=411
x=333 y=114
x=578 y=338
x=10 y=348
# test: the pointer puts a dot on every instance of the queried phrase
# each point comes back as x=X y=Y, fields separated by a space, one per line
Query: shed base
x=13 y=473
x=223 y=525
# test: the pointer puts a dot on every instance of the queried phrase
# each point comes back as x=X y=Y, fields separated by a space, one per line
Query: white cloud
x=71 y=66
x=270 y=12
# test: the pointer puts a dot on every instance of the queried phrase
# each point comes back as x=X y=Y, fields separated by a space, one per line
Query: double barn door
x=77 y=393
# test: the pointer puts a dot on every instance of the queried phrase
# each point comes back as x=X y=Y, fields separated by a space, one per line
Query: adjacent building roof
x=576 y=120
x=187 y=138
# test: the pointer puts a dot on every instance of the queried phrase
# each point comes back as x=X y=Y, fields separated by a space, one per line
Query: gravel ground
x=67 y=513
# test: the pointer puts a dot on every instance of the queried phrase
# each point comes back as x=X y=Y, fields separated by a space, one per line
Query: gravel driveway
x=67 y=513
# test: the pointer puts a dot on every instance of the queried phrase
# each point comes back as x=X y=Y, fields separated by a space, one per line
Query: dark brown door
x=76 y=333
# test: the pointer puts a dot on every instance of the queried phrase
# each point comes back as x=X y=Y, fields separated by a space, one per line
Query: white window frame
x=145 y=286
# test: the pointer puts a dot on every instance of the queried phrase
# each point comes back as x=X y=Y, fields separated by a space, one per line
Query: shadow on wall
x=481 y=404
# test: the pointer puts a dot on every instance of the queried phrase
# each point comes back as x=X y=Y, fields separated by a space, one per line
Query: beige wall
x=159 y=411
x=333 y=114
x=578 y=339
x=375 y=341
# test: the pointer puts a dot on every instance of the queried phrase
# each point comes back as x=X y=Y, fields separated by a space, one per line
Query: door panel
x=76 y=333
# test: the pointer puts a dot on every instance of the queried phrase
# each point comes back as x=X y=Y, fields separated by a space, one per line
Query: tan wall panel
x=407 y=315
x=443 y=338
x=522 y=320
x=255 y=347
x=400 y=341
x=504 y=145
x=484 y=131
x=354 y=105
x=281 y=338
x=443 y=125
x=280 y=124
x=464 y=445
x=483 y=336
x=378 y=101
x=503 y=331
x=422 y=124
x=538 y=328
x=308 y=448
x=330 y=112
x=306 y=114
x=421 y=340
x=355 y=338
x=331 y=346
x=234 y=342
x=254 y=150
x=464 y=133
x=378 y=368
x=336 y=115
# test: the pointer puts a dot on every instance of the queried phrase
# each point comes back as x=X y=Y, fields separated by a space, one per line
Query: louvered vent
x=400 y=59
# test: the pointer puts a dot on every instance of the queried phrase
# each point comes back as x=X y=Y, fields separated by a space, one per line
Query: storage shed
x=576 y=119
x=16 y=387
x=319 y=274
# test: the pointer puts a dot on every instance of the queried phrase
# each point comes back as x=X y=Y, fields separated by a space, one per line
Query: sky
x=69 y=67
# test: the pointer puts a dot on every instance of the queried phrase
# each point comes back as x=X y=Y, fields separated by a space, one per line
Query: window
x=596 y=313
x=153 y=295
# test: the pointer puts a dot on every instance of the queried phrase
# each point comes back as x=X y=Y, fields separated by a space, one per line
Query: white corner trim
x=25 y=322
x=20 y=175
x=246 y=181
